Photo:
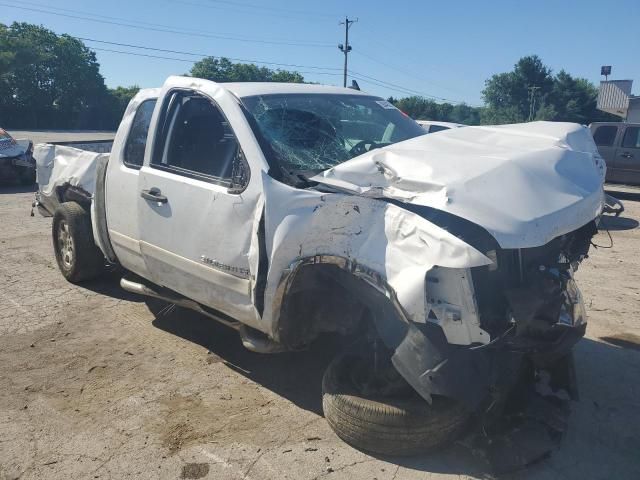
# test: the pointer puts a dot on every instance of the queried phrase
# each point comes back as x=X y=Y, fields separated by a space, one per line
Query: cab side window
x=605 y=135
x=631 y=138
x=137 y=139
x=196 y=140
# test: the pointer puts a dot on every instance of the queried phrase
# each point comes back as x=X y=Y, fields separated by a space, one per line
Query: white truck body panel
x=198 y=243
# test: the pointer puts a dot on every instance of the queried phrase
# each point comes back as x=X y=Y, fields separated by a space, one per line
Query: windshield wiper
x=302 y=178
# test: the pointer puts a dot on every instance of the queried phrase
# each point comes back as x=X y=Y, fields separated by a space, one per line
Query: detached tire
x=78 y=257
x=406 y=425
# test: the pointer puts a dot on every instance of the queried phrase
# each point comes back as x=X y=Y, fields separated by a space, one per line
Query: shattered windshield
x=313 y=132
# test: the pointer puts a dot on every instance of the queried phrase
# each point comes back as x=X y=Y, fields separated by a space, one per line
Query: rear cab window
x=605 y=135
x=137 y=139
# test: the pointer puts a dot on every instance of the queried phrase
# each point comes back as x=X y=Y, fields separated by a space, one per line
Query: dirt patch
x=93 y=385
x=194 y=471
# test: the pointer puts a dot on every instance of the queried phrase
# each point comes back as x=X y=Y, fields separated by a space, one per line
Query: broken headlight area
x=498 y=339
x=529 y=299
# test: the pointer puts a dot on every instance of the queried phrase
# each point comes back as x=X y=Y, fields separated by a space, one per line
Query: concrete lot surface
x=92 y=385
x=45 y=136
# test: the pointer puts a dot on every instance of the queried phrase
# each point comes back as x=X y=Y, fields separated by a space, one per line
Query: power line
x=204 y=54
x=130 y=24
x=400 y=87
x=263 y=9
x=395 y=67
x=406 y=90
x=377 y=84
x=188 y=60
x=399 y=69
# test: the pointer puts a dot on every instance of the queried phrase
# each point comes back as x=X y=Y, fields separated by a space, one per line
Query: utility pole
x=346 y=48
x=532 y=101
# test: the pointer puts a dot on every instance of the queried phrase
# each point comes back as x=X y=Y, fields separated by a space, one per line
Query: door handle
x=154 y=195
x=626 y=155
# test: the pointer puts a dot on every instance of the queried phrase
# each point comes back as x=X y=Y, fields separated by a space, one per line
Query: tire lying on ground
x=78 y=257
x=402 y=425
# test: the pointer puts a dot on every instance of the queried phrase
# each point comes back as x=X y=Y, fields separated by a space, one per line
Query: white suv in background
x=431 y=126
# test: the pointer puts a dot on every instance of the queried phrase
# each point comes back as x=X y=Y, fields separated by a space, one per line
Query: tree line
x=54 y=81
x=508 y=99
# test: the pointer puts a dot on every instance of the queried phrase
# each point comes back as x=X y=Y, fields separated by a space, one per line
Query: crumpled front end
x=484 y=322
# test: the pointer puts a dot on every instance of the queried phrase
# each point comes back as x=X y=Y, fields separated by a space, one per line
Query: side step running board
x=252 y=339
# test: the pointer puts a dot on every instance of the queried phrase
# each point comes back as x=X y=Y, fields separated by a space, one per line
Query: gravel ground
x=92 y=385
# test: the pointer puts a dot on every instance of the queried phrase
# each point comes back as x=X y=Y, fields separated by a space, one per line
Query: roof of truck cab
x=249 y=89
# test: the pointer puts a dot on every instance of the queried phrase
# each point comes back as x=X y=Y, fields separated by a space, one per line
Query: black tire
x=78 y=257
x=406 y=425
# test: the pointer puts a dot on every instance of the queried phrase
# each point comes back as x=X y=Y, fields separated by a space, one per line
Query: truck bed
x=67 y=166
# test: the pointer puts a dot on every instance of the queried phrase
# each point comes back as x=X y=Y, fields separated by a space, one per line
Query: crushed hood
x=524 y=183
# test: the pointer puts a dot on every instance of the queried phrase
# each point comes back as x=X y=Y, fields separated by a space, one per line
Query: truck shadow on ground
x=296 y=376
x=605 y=414
x=109 y=285
x=617 y=223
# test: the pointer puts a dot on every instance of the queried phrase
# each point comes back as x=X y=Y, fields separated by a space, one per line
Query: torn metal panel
x=57 y=165
x=525 y=184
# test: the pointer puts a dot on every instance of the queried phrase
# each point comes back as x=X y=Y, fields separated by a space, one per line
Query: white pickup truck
x=287 y=211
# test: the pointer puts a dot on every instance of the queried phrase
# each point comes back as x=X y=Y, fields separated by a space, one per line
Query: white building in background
x=614 y=96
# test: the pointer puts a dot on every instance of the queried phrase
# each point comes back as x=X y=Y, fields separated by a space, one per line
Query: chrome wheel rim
x=65 y=244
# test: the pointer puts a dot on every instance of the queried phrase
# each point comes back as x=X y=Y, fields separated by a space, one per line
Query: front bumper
x=470 y=374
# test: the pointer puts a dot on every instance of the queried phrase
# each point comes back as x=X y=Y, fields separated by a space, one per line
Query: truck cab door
x=628 y=156
x=196 y=203
x=121 y=189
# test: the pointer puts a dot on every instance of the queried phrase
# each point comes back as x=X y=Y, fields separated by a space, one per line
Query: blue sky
x=438 y=48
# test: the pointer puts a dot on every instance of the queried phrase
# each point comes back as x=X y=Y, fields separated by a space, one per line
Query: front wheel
x=78 y=257
x=393 y=422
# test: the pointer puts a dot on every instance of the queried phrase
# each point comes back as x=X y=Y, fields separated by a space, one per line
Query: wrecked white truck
x=445 y=262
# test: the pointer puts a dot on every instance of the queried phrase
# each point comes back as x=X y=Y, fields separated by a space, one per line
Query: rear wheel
x=388 y=418
x=78 y=257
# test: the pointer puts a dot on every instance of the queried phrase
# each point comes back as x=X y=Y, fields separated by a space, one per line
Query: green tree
x=507 y=95
x=559 y=97
x=224 y=70
x=46 y=80
x=465 y=114
x=118 y=99
x=421 y=108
